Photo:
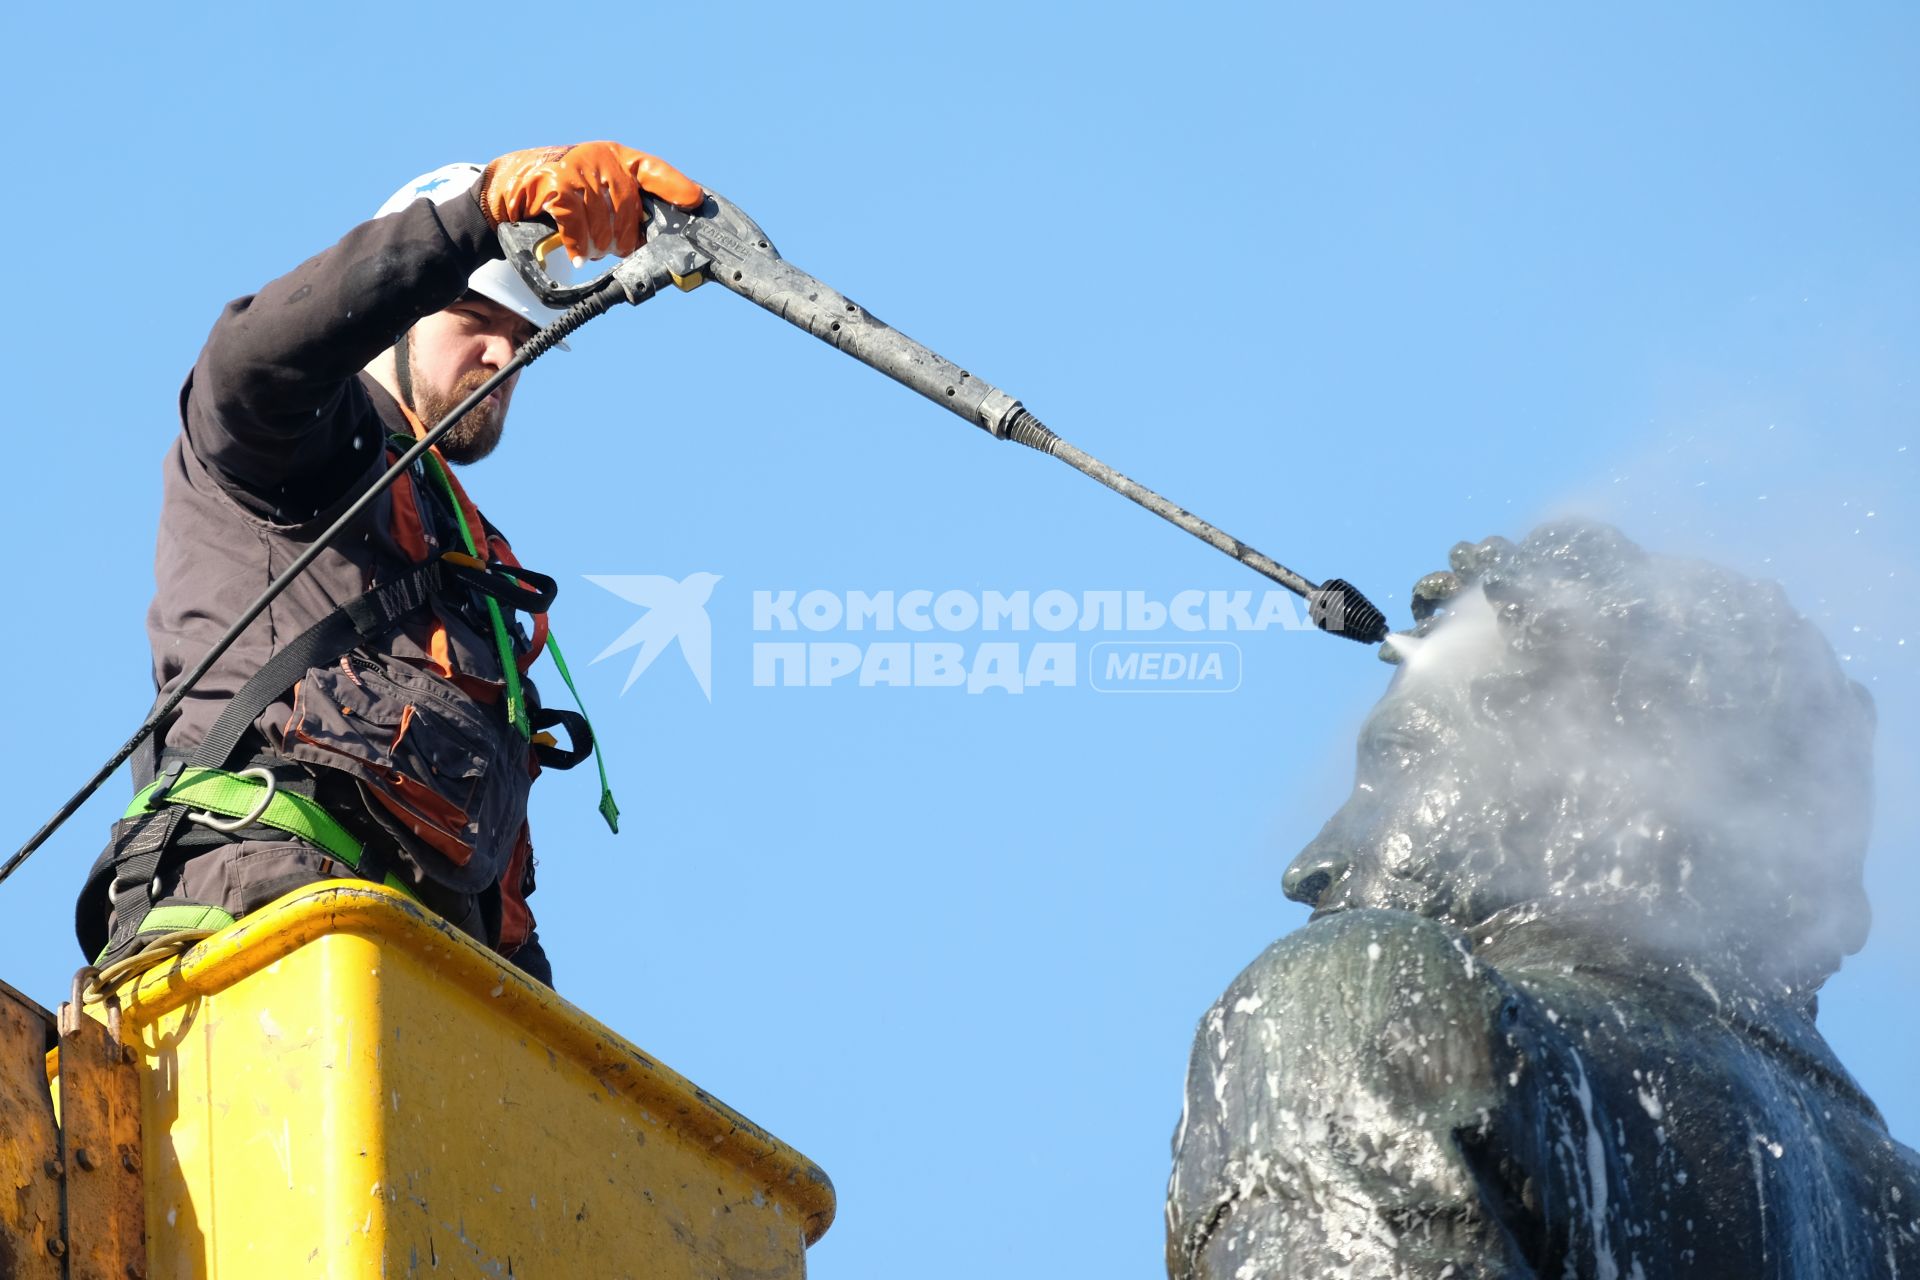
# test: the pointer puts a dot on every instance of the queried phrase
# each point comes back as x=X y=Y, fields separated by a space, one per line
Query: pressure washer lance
x=718 y=242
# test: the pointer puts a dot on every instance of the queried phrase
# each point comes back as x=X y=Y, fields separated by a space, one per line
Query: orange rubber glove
x=591 y=190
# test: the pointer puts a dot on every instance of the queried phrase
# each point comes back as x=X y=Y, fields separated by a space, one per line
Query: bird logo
x=674 y=611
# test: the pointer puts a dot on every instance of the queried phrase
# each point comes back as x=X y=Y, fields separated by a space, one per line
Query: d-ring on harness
x=252 y=815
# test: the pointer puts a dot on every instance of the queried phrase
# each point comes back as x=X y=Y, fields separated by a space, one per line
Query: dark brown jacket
x=280 y=432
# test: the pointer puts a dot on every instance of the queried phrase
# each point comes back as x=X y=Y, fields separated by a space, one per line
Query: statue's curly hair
x=1724 y=757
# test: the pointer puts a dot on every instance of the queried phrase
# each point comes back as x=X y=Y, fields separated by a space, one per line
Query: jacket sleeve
x=273 y=405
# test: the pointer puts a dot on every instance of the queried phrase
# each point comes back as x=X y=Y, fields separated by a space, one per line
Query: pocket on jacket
x=427 y=753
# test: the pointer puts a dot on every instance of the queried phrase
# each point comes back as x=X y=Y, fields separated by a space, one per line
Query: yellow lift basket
x=341 y=1085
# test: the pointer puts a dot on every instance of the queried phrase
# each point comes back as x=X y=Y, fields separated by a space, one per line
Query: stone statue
x=1553 y=1015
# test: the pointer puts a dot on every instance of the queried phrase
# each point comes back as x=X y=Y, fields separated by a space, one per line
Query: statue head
x=1579 y=725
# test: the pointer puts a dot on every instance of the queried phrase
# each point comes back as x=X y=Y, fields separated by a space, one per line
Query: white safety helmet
x=496 y=279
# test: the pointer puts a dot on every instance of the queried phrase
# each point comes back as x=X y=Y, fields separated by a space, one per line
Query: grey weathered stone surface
x=1554 y=1014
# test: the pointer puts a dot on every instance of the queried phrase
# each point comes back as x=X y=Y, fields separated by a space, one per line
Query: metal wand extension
x=1336 y=606
x=719 y=243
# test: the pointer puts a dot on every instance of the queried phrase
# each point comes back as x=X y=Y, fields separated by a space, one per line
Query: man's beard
x=475 y=435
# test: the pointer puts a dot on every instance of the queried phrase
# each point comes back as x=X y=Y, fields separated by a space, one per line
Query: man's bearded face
x=450 y=354
x=479 y=430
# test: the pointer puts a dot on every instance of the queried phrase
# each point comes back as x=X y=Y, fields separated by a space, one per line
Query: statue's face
x=1656 y=739
x=1441 y=821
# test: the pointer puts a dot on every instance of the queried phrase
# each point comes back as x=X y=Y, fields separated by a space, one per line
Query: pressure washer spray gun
x=719 y=243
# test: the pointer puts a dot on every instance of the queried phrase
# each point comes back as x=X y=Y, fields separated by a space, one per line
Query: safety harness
x=462 y=507
x=204 y=788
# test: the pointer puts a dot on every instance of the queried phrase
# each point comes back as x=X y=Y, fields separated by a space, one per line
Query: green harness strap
x=232 y=795
x=516 y=702
x=183 y=916
x=509 y=669
x=608 y=809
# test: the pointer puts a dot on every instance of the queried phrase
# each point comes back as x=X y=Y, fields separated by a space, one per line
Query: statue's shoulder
x=1344 y=1064
x=1401 y=990
x=1371 y=1093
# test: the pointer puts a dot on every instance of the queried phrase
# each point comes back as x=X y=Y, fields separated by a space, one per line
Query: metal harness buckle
x=252 y=815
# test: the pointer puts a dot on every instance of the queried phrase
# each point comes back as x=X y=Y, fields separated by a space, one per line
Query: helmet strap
x=403 y=371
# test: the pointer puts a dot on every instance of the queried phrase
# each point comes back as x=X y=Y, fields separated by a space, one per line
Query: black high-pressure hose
x=594 y=304
x=718 y=242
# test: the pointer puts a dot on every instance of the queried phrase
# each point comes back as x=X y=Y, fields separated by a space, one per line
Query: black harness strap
x=403 y=370
x=146 y=845
x=354 y=623
x=135 y=859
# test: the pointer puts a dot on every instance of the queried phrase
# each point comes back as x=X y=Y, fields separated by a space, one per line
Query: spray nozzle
x=1337 y=607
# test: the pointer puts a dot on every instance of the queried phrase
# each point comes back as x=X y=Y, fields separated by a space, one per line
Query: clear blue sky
x=1353 y=287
